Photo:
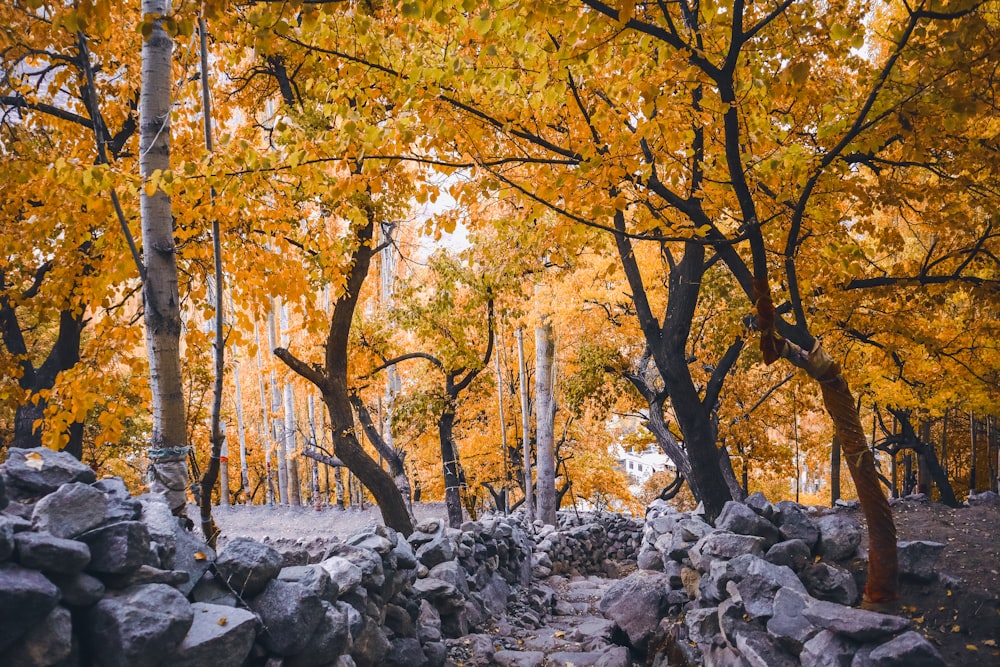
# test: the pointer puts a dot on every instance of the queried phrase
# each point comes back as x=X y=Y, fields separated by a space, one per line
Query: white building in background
x=641 y=465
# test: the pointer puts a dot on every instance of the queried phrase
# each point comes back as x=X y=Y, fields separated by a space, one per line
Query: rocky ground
x=959 y=613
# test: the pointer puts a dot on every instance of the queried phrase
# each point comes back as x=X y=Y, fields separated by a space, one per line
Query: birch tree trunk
x=545 y=424
x=291 y=435
x=525 y=426
x=242 y=434
x=279 y=425
x=168 y=449
x=264 y=421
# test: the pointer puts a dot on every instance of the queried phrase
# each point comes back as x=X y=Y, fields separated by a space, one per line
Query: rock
x=219 y=636
x=839 y=537
x=725 y=546
x=343 y=572
x=429 y=622
x=454 y=574
x=507 y=658
x=3 y=491
x=858 y=624
x=372 y=572
x=990 y=498
x=758 y=650
x=210 y=591
x=703 y=626
x=41 y=551
x=163 y=526
x=828 y=582
x=71 y=510
x=787 y=623
x=6 y=537
x=760 y=584
x=330 y=639
x=118 y=548
x=650 y=559
x=794 y=524
x=406 y=559
x=740 y=519
x=36 y=472
x=436 y=654
x=147 y=574
x=370 y=540
x=313 y=578
x=575 y=658
x=370 y=645
x=26 y=598
x=78 y=590
x=405 y=652
x=121 y=505
x=137 y=627
x=790 y=553
x=190 y=554
x=614 y=656
x=289 y=612
x=247 y=566
x=909 y=649
x=438 y=550
x=495 y=593
x=828 y=650
x=759 y=503
x=918 y=559
x=445 y=597
x=636 y=604
x=47 y=643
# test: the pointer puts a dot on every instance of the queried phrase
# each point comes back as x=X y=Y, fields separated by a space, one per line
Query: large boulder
x=118 y=548
x=36 y=472
x=370 y=645
x=71 y=510
x=78 y=590
x=219 y=636
x=794 y=524
x=26 y=598
x=343 y=572
x=41 y=551
x=47 y=643
x=724 y=545
x=827 y=649
x=738 y=518
x=909 y=649
x=918 y=559
x=787 y=624
x=290 y=614
x=839 y=537
x=828 y=582
x=761 y=583
x=858 y=624
x=636 y=604
x=790 y=553
x=247 y=565
x=140 y=626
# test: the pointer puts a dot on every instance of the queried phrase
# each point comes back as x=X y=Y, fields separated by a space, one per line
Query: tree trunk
x=393 y=457
x=331 y=379
x=525 y=430
x=668 y=443
x=265 y=422
x=168 y=447
x=453 y=475
x=291 y=448
x=545 y=424
x=241 y=433
x=278 y=428
x=834 y=471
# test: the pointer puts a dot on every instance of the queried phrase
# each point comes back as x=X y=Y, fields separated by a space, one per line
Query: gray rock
x=219 y=636
x=163 y=526
x=436 y=654
x=438 y=550
x=46 y=643
x=839 y=537
x=828 y=582
x=614 y=656
x=454 y=574
x=3 y=491
x=33 y=473
x=121 y=505
x=574 y=658
x=192 y=555
x=355 y=621
x=760 y=584
x=406 y=559
x=790 y=553
x=247 y=566
x=725 y=546
x=858 y=624
x=343 y=572
x=290 y=613
x=147 y=574
x=794 y=524
x=758 y=650
x=370 y=645
x=733 y=618
x=918 y=559
x=508 y=658
x=312 y=577
x=372 y=571
x=495 y=593
x=445 y=597
x=650 y=559
x=6 y=537
x=370 y=540
x=71 y=510
x=26 y=597
x=118 y=548
x=41 y=551
x=405 y=652
x=703 y=626
x=909 y=649
x=636 y=604
x=828 y=650
x=759 y=503
x=329 y=640
x=787 y=624
x=78 y=590
x=429 y=622
x=137 y=627
x=740 y=519
x=210 y=591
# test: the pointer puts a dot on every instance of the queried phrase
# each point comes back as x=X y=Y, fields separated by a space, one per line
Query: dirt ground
x=960 y=613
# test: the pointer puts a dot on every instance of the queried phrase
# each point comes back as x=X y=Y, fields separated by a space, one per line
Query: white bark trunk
x=278 y=423
x=263 y=431
x=525 y=429
x=503 y=433
x=242 y=434
x=224 y=468
x=168 y=468
x=545 y=424
x=291 y=430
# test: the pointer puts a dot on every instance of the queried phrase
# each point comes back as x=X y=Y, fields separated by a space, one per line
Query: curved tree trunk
x=393 y=457
x=331 y=379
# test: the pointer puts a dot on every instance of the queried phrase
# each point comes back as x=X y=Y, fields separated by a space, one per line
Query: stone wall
x=92 y=576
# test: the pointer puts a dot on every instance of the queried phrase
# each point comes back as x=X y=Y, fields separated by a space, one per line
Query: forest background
x=648 y=203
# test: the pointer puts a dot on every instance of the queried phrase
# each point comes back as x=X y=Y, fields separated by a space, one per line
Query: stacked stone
x=585 y=544
x=764 y=586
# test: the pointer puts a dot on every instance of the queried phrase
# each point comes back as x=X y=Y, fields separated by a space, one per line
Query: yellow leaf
x=956 y=628
x=34 y=460
x=198 y=555
x=223 y=621
x=972 y=647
